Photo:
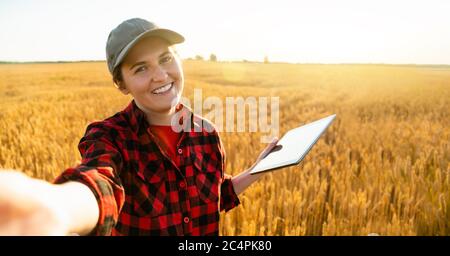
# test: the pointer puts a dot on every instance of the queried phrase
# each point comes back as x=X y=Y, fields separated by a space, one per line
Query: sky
x=299 y=31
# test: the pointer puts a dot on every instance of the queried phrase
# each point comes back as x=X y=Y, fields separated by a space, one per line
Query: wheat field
x=382 y=167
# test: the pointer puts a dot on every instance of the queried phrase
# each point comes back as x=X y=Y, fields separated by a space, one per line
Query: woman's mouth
x=163 y=89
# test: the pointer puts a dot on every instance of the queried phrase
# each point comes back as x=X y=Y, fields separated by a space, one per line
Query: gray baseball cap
x=128 y=33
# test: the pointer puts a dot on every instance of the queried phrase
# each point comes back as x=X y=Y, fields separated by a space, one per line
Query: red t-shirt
x=169 y=140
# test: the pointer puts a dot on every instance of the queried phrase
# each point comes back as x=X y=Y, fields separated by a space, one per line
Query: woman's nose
x=159 y=74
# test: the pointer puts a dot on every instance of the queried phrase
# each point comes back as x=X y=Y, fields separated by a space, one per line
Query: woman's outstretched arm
x=35 y=207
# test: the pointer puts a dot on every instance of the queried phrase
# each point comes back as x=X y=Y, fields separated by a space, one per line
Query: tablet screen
x=293 y=146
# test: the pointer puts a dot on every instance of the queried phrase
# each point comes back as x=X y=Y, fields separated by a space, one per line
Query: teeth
x=162 y=89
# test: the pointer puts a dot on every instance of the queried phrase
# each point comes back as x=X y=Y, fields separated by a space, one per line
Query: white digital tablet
x=293 y=146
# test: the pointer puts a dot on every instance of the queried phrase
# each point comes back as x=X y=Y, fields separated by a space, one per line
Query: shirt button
x=182 y=184
x=180 y=151
x=186 y=219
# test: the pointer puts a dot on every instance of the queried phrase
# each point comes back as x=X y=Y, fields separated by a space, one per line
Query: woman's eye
x=140 y=69
x=166 y=59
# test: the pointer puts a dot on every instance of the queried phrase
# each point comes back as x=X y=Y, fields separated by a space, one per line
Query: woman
x=138 y=175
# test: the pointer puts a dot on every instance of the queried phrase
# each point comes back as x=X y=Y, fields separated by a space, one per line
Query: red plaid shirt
x=140 y=190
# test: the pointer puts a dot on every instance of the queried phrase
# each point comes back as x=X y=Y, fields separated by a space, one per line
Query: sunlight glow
x=321 y=31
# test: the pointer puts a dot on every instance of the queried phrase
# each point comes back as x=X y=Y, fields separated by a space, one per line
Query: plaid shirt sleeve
x=99 y=168
x=228 y=197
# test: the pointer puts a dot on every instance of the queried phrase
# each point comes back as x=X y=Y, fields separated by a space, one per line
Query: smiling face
x=152 y=74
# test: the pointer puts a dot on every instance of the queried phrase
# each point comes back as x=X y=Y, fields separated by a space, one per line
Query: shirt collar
x=138 y=118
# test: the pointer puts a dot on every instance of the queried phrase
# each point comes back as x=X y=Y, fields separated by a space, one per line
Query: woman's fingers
x=269 y=148
x=265 y=152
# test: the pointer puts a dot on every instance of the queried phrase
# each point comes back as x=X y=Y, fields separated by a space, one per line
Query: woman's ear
x=121 y=86
x=124 y=89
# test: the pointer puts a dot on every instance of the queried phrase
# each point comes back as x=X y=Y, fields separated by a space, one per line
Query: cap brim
x=171 y=36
